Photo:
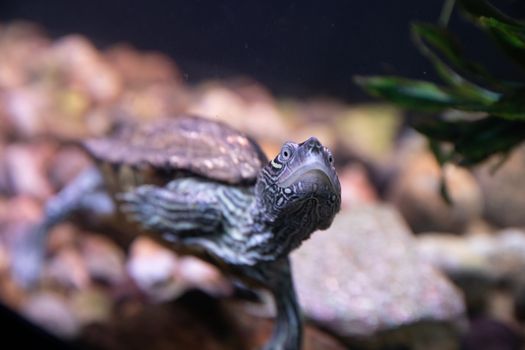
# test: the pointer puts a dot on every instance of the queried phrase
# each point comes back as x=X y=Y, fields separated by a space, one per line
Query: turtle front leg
x=277 y=278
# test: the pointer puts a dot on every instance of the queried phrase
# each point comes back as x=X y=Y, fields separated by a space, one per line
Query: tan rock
x=91 y=306
x=503 y=189
x=416 y=192
x=500 y=254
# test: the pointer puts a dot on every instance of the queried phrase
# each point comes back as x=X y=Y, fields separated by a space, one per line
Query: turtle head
x=299 y=189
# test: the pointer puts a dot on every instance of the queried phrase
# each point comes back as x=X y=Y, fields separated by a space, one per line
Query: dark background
x=295 y=47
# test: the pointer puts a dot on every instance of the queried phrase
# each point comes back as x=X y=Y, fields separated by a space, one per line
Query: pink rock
x=84 y=67
x=67 y=268
x=153 y=268
x=138 y=68
x=27 y=169
x=355 y=186
x=26 y=109
x=365 y=275
x=199 y=274
x=67 y=163
x=52 y=312
x=103 y=258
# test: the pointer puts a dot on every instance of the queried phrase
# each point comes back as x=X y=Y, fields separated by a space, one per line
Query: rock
x=416 y=192
x=503 y=189
x=20 y=44
x=62 y=236
x=501 y=254
x=489 y=334
x=364 y=275
x=104 y=259
x=162 y=275
x=246 y=106
x=26 y=165
x=489 y=269
x=315 y=117
x=195 y=321
x=52 y=312
x=198 y=274
x=153 y=268
x=26 y=108
x=369 y=132
x=151 y=102
x=21 y=209
x=80 y=64
x=356 y=188
x=142 y=68
x=91 y=306
x=66 y=164
x=255 y=331
x=68 y=269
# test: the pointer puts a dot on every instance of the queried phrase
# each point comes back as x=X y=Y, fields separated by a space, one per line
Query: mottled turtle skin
x=203 y=188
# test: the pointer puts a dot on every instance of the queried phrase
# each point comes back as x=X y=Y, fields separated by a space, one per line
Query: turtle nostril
x=313 y=143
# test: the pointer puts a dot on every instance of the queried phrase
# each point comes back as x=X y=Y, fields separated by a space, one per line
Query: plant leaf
x=482 y=8
x=474 y=141
x=510 y=37
x=429 y=37
x=510 y=106
x=420 y=95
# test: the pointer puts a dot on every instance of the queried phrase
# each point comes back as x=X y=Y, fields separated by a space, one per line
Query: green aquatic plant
x=492 y=110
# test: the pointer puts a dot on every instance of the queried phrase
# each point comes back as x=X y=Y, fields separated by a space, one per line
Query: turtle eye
x=331 y=159
x=286 y=153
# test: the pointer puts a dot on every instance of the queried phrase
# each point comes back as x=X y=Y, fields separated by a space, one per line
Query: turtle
x=204 y=188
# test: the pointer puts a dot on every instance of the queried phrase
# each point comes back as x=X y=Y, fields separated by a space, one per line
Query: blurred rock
x=51 y=311
x=245 y=105
x=20 y=44
x=364 y=275
x=68 y=269
x=198 y=274
x=67 y=163
x=501 y=254
x=503 y=189
x=162 y=275
x=151 y=102
x=255 y=331
x=489 y=334
x=315 y=117
x=140 y=68
x=369 y=132
x=194 y=321
x=424 y=335
x=26 y=109
x=91 y=306
x=5 y=186
x=153 y=268
x=26 y=166
x=356 y=188
x=62 y=236
x=415 y=191
x=103 y=258
x=20 y=209
x=79 y=64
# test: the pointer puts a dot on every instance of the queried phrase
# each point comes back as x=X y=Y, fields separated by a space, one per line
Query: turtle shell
x=191 y=144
